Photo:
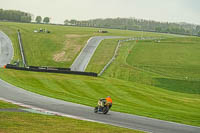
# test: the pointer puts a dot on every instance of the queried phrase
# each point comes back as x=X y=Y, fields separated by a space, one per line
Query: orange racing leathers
x=109 y=100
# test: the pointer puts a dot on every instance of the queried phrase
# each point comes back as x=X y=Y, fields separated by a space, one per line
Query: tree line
x=15 y=16
x=139 y=25
x=38 y=19
x=114 y=23
x=19 y=16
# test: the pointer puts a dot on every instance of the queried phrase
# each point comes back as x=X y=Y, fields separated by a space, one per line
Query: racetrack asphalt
x=87 y=52
x=18 y=95
x=6 y=49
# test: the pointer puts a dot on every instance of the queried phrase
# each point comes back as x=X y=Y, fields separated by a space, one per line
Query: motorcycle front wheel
x=105 y=110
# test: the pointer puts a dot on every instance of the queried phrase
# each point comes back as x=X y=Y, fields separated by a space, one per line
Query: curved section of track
x=10 y=92
x=6 y=49
x=87 y=52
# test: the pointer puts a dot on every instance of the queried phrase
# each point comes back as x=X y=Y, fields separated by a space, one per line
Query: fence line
x=117 y=48
x=113 y=58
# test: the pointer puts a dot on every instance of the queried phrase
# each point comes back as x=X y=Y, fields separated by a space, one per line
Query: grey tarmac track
x=87 y=52
x=6 y=49
x=10 y=92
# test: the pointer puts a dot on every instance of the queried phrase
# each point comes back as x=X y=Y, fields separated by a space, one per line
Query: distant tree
x=16 y=16
x=138 y=24
x=73 y=21
x=38 y=19
x=199 y=33
x=158 y=29
x=197 y=28
x=66 y=22
x=1 y=14
x=24 y=19
x=46 y=20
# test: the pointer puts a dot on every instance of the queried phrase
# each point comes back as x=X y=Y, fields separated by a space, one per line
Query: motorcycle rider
x=102 y=102
x=109 y=100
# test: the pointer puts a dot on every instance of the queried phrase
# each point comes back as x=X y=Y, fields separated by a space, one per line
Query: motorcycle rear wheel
x=95 y=109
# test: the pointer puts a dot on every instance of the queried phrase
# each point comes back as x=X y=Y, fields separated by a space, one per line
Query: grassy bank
x=34 y=123
x=15 y=122
x=102 y=55
x=58 y=48
x=172 y=64
x=128 y=97
x=4 y=105
x=148 y=78
x=175 y=58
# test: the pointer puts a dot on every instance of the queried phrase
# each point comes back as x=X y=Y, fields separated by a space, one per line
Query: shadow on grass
x=183 y=86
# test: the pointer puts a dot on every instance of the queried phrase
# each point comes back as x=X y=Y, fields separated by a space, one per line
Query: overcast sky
x=159 y=10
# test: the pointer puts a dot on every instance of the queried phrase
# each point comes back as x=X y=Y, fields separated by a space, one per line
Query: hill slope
x=134 y=90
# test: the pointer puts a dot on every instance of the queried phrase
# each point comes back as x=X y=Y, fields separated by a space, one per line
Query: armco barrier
x=49 y=68
x=46 y=69
x=21 y=48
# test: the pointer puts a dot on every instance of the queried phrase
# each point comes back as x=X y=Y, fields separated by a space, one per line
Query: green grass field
x=173 y=66
x=4 y=105
x=106 y=49
x=128 y=97
x=34 y=123
x=19 y=122
x=137 y=80
x=176 y=58
x=60 y=47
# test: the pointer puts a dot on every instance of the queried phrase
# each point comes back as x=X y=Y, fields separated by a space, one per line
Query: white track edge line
x=63 y=114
